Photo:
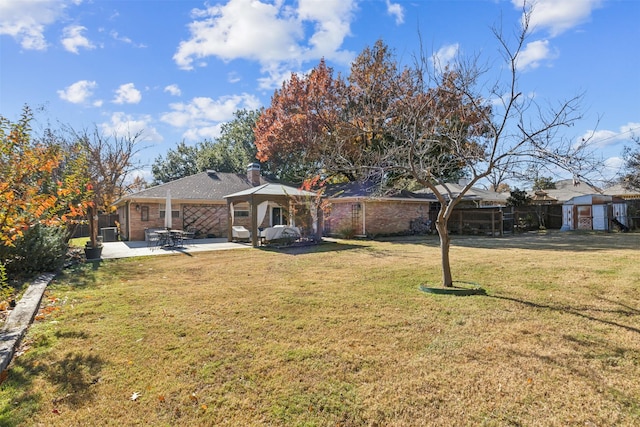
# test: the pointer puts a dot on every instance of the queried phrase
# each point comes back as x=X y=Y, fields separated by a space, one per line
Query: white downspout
x=364 y=220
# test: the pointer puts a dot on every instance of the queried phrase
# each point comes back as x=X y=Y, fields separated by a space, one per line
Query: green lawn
x=340 y=334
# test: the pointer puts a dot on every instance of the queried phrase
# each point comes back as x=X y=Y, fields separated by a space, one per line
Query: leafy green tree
x=234 y=149
x=543 y=183
x=178 y=163
x=518 y=198
x=231 y=152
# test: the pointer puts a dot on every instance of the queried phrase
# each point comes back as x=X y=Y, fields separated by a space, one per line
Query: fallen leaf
x=55 y=411
x=161 y=398
x=4 y=375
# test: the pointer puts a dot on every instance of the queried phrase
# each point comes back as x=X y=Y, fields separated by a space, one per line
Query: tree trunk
x=445 y=242
x=93 y=226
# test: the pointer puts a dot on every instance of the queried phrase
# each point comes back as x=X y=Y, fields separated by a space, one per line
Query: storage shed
x=594 y=212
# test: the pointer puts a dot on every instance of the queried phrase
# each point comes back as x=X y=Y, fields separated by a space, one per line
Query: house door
x=276 y=216
x=585 y=221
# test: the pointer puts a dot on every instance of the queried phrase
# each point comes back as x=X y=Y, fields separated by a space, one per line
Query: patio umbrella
x=167 y=210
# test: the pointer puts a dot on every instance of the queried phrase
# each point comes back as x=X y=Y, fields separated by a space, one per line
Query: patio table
x=170 y=238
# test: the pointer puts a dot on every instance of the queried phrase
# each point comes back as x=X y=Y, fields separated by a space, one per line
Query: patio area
x=112 y=250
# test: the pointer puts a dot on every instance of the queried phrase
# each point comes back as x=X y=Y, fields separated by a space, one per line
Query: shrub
x=40 y=249
x=5 y=289
x=347 y=233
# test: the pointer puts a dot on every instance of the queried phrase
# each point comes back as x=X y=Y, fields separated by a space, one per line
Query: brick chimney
x=253 y=173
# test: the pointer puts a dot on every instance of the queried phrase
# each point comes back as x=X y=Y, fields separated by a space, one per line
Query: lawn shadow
x=80 y=275
x=75 y=375
x=575 y=241
x=179 y=250
x=626 y=311
x=311 y=248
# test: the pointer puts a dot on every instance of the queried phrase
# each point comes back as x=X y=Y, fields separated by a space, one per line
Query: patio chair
x=152 y=238
x=239 y=233
x=189 y=235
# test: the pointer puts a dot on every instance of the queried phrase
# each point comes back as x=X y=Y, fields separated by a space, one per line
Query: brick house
x=358 y=209
x=197 y=202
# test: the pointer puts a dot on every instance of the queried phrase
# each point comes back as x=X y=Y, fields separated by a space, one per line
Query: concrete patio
x=113 y=250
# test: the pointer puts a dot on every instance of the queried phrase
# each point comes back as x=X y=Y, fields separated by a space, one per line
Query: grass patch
x=78 y=242
x=340 y=335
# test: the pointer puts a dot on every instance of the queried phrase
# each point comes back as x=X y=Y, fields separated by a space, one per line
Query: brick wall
x=138 y=226
x=382 y=217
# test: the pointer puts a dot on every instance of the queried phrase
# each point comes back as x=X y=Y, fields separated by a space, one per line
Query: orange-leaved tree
x=31 y=191
x=291 y=134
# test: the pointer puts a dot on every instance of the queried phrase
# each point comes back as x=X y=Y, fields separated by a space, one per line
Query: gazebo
x=259 y=198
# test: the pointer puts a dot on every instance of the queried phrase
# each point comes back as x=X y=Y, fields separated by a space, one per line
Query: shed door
x=567 y=216
x=584 y=218
x=600 y=219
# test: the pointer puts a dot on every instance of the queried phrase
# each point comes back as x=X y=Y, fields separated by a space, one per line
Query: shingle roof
x=567 y=189
x=207 y=185
x=273 y=190
x=621 y=191
x=370 y=189
x=473 y=193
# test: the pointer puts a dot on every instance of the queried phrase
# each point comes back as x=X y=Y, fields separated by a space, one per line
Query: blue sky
x=179 y=69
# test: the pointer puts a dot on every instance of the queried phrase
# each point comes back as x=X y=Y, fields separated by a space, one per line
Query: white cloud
x=79 y=92
x=122 y=125
x=558 y=16
x=272 y=34
x=614 y=163
x=332 y=23
x=233 y=77
x=396 y=9
x=124 y=39
x=533 y=54
x=72 y=39
x=274 y=78
x=445 y=55
x=26 y=21
x=605 y=138
x=127 y=94
x=202 y=116
x=173 y=90
x=202 y=133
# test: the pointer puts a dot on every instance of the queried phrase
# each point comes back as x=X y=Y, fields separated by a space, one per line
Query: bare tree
x=446 y=119
x=500 y=139
x=110 y=164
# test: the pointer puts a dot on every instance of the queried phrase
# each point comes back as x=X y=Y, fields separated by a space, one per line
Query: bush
x=5 y=289
x=41 y=249
x=347 y=233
